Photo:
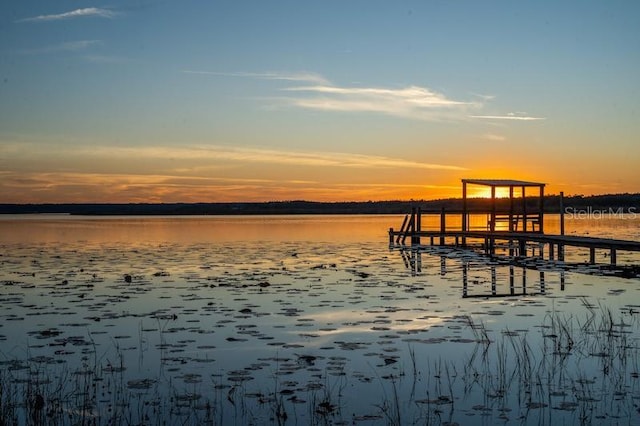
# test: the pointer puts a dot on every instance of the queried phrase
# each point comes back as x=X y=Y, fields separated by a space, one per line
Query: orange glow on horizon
x=337 y=185
x=475 y=191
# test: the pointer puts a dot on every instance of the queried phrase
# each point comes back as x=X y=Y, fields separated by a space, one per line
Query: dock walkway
x=518 y=241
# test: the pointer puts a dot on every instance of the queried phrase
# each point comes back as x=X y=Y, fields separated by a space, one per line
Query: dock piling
x=522 y=248
x=561 y=213
x=418 y=225
x=443 y=225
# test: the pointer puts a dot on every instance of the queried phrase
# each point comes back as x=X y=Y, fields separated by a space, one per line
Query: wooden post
x=465 y=278
x=390 y=237
x=510 y=208
x=493 y=219
x=613 y=257
x=493 y=280
x=412 y=226
x=492 y=228
x=561 y=213
x=418 y=224
x=524 y=210
x=551 y=251
x=414 y=262
x=511 y=280
x=592 y=255
x=541 y=214
x=464 y=211
x=443 y=225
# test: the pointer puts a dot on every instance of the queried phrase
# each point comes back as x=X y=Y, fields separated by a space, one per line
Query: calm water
x=306 y=320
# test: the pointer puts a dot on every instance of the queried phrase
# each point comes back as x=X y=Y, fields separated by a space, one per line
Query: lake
x=306 y=320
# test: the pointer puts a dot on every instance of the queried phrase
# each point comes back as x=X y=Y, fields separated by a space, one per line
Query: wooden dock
x=518 y=242
x=522 y=226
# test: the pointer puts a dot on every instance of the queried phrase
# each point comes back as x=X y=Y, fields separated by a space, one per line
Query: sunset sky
x=205 y=101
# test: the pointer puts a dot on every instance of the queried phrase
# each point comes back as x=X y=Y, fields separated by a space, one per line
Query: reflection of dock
x=522 y=290
x=519 y=228
x=521 y=282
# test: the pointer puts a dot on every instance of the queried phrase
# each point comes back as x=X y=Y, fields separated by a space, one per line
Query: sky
x=338 y=100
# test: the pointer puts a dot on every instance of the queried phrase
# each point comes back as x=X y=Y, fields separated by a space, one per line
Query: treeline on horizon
x=607 y=203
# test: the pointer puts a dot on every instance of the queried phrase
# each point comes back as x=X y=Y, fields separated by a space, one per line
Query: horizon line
x=79 y=203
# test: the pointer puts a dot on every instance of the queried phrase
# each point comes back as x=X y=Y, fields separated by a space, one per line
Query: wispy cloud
x=216 y=155
x=510 y=116
x=413 y=95
x=70 y=46
x=299 y=77
x=258 y=155
x=77 y=13
x=67 y=178
x=413 y=102
x=399 y=185
x=493 y=137
x=29 y=187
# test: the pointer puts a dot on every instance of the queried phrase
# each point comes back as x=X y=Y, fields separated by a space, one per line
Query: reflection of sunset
x=356 y=321
x=201 y=229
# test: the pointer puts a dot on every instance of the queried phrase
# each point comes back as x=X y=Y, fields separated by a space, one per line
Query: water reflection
x=516 y=284
x=523 y=291
x=192 y=229
x=206 y=326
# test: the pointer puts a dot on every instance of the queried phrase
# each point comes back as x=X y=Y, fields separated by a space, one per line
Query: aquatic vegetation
x=580 y=368
x=318 y=332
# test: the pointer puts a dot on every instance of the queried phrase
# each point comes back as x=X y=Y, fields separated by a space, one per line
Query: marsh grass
x=575 y=369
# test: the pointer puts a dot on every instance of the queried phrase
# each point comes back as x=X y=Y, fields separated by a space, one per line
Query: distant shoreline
x=614 y=202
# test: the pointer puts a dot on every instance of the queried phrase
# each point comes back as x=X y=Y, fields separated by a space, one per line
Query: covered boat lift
x=518 y=217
